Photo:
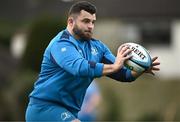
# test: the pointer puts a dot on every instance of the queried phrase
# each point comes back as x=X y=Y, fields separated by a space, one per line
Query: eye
x=86 y=20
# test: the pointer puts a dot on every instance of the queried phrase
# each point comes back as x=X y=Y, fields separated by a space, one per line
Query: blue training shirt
x=68 y=68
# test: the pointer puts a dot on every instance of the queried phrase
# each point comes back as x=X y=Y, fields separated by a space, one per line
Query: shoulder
x=64 y=39
x=64 y=35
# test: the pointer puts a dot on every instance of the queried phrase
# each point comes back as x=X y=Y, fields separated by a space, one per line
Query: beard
x=82 y=34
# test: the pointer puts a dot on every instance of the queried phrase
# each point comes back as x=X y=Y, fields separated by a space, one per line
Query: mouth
x=89 y=32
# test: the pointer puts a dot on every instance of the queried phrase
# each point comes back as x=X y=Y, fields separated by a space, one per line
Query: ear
x=70 y=21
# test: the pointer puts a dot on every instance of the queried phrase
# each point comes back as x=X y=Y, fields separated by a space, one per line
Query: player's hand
x=122 y=56
x=154 y=66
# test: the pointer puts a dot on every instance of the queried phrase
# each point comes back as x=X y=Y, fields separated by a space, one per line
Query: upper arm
x=67 y=57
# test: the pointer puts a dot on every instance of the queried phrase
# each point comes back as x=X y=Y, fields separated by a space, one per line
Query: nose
x=90 y=26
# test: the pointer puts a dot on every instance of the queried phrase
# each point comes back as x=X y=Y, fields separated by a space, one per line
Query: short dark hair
x=82 y=5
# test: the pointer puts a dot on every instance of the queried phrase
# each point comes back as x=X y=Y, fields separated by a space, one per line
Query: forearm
x=109 y=69
x=120 y=74
x=136 y=74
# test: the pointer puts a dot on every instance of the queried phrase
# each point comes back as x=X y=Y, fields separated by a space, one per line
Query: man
x=70 y=63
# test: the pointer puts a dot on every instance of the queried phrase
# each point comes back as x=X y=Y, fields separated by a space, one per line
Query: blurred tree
x=40 y=34
x=14 y=96
x=5 y=40
x=7 y=29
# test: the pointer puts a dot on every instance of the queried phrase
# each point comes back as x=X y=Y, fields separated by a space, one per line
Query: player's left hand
x=154 y=66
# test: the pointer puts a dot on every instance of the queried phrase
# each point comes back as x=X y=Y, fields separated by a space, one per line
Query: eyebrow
x=88 y=19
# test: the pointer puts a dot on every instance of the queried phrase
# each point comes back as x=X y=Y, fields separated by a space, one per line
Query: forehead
x=84 y=14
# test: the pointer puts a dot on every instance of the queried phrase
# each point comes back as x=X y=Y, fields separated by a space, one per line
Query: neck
x=72 y=33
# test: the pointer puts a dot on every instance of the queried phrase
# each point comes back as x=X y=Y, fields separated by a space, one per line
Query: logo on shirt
x=94 y=51
x=63 y=49
x=65 y=115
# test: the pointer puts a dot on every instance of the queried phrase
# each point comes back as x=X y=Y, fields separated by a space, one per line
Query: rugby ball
x=140 y=60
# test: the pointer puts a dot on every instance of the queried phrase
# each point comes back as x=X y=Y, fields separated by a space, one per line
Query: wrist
x=109 y=69
x=115 y=68
x=136 y=74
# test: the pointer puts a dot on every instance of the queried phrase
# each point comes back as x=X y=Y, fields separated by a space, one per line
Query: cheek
x=84 y=27
x=81 y=24
x=81 y=27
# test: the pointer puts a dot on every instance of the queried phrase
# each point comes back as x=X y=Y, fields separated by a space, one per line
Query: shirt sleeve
x=67 y=57
x=123 y=75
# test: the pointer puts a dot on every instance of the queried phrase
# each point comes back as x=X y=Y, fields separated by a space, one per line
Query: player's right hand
x=122 y=56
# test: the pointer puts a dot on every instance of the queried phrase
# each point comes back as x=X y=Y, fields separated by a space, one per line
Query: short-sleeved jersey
x=68 y=68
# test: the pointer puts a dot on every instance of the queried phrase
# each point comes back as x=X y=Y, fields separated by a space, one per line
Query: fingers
x=123 y=52
x=155 y=68
x=152 y=73
x=120 y=48
x=123 y=49
x=153 y=59
x=127 y=57
x=126 y=52
x=155 y=63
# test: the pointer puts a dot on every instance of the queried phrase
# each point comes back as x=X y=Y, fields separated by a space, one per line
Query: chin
x=86 y=39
